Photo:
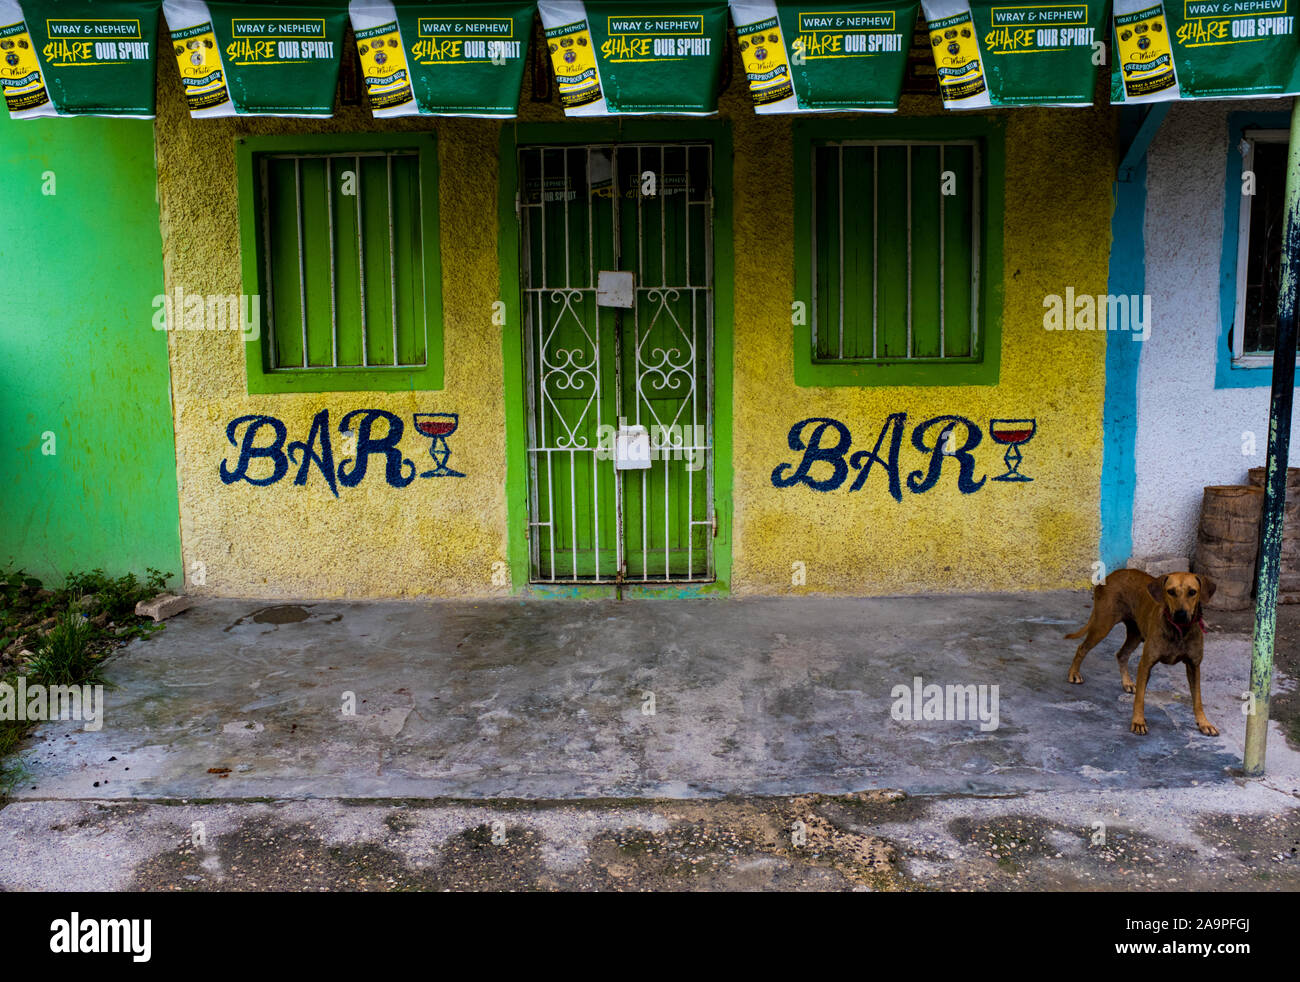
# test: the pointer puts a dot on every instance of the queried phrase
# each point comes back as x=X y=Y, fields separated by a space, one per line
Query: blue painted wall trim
x=1226 y=374
x=1127 y=277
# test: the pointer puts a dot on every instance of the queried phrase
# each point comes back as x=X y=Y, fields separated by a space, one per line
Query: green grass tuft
x=64 y=656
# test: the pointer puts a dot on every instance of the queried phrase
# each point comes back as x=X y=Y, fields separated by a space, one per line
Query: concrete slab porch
x=552 y=700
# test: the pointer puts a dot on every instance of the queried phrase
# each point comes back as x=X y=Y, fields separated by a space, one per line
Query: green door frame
x=514 y=135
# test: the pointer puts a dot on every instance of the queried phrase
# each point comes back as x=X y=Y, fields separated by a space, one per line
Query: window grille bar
x=573 y=459
x=392 y=259
x=875 y=249
x=942 y=244
x=814 y=299
x=974 y=192
x=620 y=484
x=302 y=258
x=661 y=188
x=640 y=222
x=361 y=267
x=591 y=281
x=668 y=521
x=266 y=249
x=686 y=212
x=563 y=198
x=329 y=210
x=909 y=251
x=840 y=175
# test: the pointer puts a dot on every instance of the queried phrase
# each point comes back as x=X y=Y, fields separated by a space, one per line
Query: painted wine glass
x=438 y=426
x=1012 y=433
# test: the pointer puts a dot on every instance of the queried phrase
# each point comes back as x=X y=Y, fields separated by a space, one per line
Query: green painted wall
x=79 y=358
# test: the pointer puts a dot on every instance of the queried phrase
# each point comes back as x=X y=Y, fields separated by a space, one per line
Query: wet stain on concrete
x=733 y=844
x=266 y=856
x=1270 y=844
x=283 y=614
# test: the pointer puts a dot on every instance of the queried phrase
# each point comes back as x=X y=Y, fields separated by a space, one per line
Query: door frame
x=674 y=130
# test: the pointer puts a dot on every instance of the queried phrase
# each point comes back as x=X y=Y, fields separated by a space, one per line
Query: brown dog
x=1164 y=616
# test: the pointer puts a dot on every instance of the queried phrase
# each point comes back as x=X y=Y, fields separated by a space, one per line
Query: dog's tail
x=1096 y=591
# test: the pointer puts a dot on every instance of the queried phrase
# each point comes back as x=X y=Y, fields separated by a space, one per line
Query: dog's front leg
x=1194 y=682
x=1139 y=724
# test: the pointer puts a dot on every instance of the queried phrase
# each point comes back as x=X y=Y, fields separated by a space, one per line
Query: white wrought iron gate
x=595 y=371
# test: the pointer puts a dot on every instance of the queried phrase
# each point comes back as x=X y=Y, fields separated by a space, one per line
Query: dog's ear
x=1207 y=587
x=1157 y=588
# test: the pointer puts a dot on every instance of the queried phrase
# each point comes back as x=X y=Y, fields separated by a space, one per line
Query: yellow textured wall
x=439 y=536
x=1037 y=535
x=442 y=537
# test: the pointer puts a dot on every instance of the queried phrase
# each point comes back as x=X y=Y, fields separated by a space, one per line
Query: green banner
x=998 y=53
x=848 y=57
x=801 y=57
x=614 y=56
x=443 y=58
x=280 y=59
x=96 y=56
x=1204 y=49
x=1036 y=53
x=1233 y=48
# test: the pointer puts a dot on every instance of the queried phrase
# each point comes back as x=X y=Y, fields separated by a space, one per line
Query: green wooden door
x=593 y=369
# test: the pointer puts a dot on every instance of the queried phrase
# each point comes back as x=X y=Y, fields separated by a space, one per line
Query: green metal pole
x=1279 y=443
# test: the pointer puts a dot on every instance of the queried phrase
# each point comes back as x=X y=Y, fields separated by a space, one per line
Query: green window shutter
x=898 y=283
x=339 y=238
x=894 y=257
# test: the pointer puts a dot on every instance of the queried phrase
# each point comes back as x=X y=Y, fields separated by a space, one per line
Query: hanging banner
x=1235 y=49
x=1204 y=49
x=20 y=73
x=442 y=59
x=992 y=53
x=95 y=57
x=1041 y=54
x=614 y=57
x=962 y=83
x=194 y=43
x=1143 y=69
x=764 y=55
x=273 y=59
x=838 y=58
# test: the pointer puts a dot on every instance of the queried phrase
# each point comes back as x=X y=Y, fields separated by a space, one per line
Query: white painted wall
x=1189 y=433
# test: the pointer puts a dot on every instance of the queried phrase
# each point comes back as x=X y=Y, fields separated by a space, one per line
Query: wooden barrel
x=1288 y=591
x=1227 y=542
x=1291 y=511
x=1256 y=475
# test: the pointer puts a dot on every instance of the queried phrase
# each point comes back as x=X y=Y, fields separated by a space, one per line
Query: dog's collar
x=1199 y=622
